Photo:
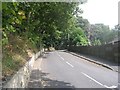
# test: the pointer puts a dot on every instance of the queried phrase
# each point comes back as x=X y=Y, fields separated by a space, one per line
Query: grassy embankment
x=15 y=54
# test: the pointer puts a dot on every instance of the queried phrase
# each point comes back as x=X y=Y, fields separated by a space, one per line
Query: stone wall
x=21 y=78
x=109 y=52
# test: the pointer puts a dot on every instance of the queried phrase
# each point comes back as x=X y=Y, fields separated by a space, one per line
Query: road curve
x=63 y=70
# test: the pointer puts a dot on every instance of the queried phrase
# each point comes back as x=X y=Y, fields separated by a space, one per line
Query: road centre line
x=89 y=76
x=69 y=64
x=98 y=82
x=66 y=62
x=57 y=54
x=60 y=56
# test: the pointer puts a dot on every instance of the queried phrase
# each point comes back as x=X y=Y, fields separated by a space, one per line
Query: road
x=60 y=69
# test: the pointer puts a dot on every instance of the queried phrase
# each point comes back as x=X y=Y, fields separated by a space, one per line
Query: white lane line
x=98 y=82
x=64 y=59
x=69 y=64
x=60 y=56
x=57 y=54
x=112 y=86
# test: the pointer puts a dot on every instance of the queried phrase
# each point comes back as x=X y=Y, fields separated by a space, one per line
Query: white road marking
x=69 y=64
x=57 y=53
x=64 y=59
x=112 y=86
x=60 y=56
x=98 y=82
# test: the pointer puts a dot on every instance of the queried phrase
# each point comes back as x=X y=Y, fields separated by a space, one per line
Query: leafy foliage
x=98 y=34
x=41 y=22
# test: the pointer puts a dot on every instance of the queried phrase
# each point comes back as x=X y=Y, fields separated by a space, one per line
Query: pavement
x=59 y=69
x=105 y=63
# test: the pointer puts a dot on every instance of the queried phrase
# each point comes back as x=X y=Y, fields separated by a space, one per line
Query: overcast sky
x=101 y=11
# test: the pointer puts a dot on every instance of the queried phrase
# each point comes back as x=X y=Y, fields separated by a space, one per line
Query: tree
x=77 y=37
x=21 y=18
x=85 y=25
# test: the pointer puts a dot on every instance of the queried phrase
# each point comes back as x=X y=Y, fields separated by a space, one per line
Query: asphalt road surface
x=60 y=69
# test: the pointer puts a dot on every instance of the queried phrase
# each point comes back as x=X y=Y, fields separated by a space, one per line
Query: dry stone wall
x=109 y=52
x=21 y=78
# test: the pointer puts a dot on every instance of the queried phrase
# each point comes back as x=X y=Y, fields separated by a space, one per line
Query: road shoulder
x=111 y=66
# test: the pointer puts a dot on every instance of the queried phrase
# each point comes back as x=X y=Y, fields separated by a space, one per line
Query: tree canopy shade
x=41 y=22
x=51 y=24
x=45 y=24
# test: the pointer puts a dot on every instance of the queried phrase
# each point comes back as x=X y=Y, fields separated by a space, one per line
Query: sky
x=101 y=11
